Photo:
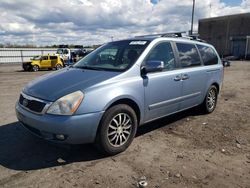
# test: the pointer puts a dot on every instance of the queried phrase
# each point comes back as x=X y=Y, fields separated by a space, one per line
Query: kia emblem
x=25 y=102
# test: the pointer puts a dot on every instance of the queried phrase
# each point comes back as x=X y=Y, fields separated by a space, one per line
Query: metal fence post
x=21 y=55
x=246 y=50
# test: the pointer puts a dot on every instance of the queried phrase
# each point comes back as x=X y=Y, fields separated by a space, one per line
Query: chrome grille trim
x=47 y=104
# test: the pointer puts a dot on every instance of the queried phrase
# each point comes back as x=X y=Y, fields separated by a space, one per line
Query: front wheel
x=117 y=129
x=35 y=68
x=210 y=101
x=58 y=66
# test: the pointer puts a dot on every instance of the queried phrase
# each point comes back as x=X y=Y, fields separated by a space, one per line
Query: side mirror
x=152 y=66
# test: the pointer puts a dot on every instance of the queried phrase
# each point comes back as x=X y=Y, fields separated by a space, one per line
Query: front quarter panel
x=99 y=98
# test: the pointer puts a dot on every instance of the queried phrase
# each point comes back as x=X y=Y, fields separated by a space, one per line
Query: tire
x=117 y=129
x=35 y=68
x=58 y=66
x=210 y=100
x=63 y=62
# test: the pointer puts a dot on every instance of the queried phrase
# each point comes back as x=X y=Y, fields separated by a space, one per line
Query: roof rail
x=172 y=34
x=175 y=35
x=194 y=37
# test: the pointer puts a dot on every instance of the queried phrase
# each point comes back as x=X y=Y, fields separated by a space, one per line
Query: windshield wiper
x=89 y=68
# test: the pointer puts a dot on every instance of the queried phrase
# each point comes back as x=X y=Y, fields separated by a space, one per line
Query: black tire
x=210 y=100
x=58 y=66
x=119 y=139
x=35 y=68
x=63 y=62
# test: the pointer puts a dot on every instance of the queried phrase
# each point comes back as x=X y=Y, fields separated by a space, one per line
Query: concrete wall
x=222 y=31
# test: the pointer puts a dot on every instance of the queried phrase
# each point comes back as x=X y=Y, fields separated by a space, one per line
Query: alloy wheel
x=119 y=130
x=211 y=99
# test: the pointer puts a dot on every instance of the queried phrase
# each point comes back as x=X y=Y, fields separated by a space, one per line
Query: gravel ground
x=188 y=149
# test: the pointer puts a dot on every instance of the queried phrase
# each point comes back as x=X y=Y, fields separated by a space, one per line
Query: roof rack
x=175 y=35
x=194 y=37
x=172 y=34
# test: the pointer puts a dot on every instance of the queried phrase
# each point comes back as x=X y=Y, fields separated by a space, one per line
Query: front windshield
x=59 y=51
x=114 y=56
x=36 y=58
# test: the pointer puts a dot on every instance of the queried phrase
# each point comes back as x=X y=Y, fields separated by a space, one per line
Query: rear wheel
x=63 y=62
x=210 y=101
x=117 y=129
x=35 y=68
x=58 y=66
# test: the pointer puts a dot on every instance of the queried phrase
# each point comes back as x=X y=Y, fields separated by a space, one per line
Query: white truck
x=70 y=56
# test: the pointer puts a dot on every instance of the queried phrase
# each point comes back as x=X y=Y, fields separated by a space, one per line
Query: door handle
x=185 y=77
x=177 y=78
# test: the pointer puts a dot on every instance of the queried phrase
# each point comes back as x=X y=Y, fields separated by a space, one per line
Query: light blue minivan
x=105 y=96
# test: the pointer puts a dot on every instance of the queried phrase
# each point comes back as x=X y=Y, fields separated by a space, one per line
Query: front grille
x=33 y=105
x=27 y=66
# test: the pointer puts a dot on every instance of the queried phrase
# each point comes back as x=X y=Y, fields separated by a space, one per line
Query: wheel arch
x=128 y=102
x=62 y=61
x=35 y=63
x=217 y=86
x=207 y=88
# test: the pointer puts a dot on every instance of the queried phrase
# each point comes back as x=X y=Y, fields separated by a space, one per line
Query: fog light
x=60 y=137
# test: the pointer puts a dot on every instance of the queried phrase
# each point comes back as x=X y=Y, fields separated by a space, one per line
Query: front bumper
x=78 y=129
x=27 y=66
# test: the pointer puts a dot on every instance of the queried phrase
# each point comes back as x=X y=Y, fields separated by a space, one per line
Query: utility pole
x=192 y=21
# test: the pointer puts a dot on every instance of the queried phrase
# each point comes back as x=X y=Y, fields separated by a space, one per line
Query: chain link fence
x=20 y=55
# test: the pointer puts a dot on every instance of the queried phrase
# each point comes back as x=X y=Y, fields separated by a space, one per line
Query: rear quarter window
x=53 y=57
x=188 y=55
x=208 y=55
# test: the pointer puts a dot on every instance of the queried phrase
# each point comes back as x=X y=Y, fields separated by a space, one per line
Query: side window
x=163 y=52
x=188 y=54
x=208 y=55
x=44 y=58
x=65 y=51
x=53 y=57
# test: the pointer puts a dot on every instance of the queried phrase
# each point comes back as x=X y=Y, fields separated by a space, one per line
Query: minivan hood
x=52 y=86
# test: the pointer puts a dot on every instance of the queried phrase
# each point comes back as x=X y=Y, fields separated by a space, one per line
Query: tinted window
x=53 y=57
x=208 y=55
x=163 y=52
x=65 y=51
x=188 y=55
x=44 y=58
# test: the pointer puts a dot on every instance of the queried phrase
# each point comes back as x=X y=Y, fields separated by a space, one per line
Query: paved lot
x=185 y=150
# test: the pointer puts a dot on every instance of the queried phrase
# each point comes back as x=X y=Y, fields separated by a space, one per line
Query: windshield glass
x=36 y=58
x=114 y=56
x=59 y=51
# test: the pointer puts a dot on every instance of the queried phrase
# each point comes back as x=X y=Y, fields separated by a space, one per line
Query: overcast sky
x=86 y=22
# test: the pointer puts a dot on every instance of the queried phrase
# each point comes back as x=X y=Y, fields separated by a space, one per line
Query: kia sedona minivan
x=104 y=97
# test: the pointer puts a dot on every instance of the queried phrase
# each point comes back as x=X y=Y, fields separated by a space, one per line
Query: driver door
x=162 y=89
x=45 y=62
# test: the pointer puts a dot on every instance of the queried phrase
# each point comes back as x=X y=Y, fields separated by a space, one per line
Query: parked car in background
x=78 y=54
x=226 y=63
x=43 y=62
x=105 y=96
x=71 y=55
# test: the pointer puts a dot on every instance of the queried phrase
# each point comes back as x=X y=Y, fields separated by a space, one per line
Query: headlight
x=66 y=105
